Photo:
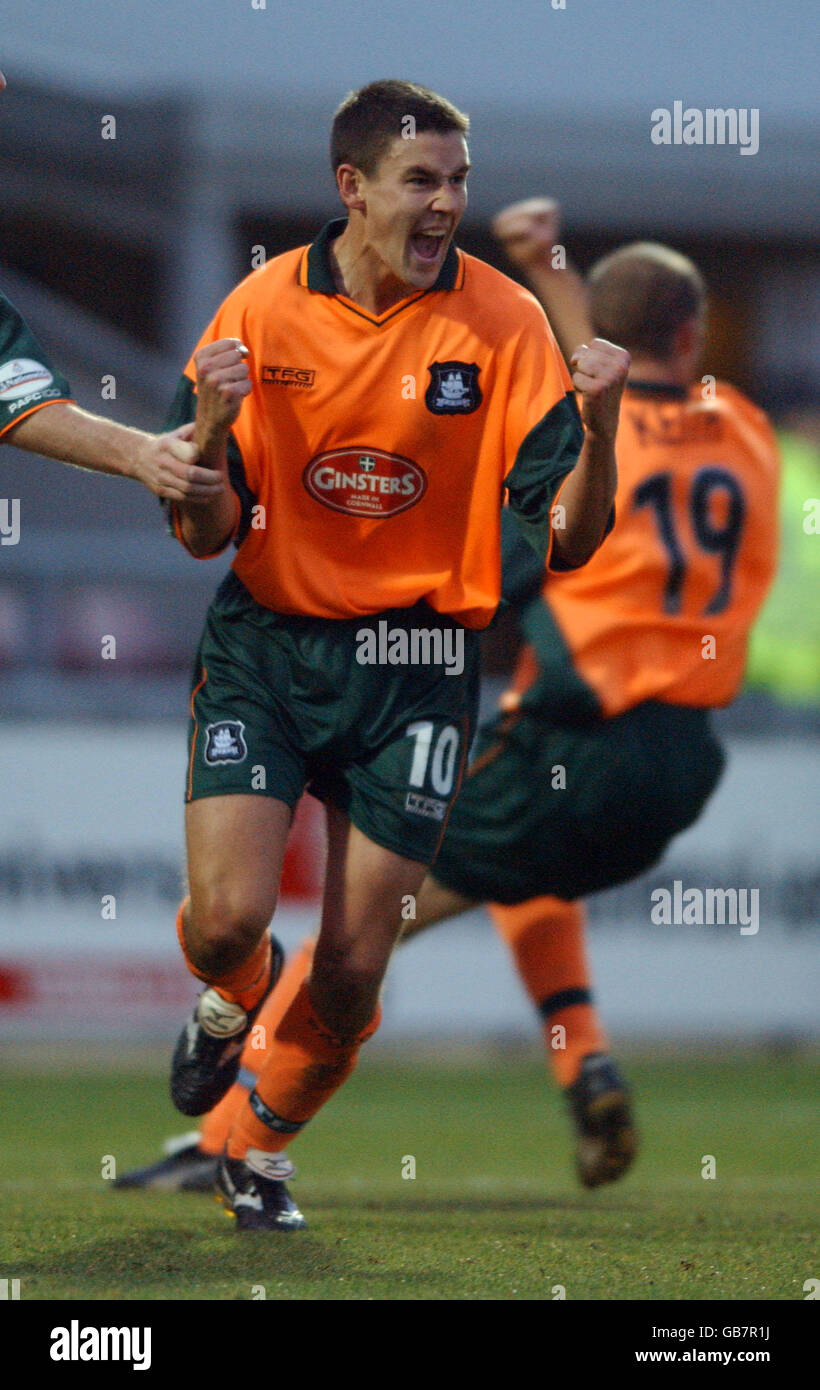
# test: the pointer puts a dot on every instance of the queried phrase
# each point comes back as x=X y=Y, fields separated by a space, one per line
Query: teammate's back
x=663 y=610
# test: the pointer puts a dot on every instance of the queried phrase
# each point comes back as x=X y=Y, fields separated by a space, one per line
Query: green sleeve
x=27 y=378
x=545 y=457
x=558 y=690
x=522 y=570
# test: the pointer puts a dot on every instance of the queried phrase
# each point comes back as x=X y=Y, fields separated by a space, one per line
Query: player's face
x=413 y=203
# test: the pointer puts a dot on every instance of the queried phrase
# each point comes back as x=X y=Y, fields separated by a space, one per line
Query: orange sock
x=305 y=1065
x=246 y=983
x=217 y=1125
x=546 y=937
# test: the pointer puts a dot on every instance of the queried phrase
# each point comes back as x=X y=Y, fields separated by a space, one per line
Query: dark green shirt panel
x=183 y=412
x=27 y=378
x=522 y=570
x=545 y=457
x=558 y=689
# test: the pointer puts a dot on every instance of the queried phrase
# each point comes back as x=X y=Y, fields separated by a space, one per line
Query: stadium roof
x=591 y=56
x=561 y=99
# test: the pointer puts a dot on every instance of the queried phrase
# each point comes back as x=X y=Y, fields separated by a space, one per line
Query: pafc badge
x=23 y=377
x=453 y=388
x=226 y=742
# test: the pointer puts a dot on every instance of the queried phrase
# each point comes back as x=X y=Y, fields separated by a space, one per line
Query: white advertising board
x=93 y=814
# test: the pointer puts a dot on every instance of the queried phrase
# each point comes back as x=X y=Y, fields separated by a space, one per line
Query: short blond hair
x=641 y=294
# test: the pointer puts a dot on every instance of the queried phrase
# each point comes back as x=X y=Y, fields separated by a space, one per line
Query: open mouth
x=428 y=245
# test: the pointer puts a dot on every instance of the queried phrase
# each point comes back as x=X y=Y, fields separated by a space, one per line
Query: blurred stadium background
x=118 y=250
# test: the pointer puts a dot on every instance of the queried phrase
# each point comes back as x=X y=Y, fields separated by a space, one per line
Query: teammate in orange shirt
x=604 y=750
x=368 y=398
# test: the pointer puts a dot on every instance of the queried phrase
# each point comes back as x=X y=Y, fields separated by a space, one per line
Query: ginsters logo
x=364 y=482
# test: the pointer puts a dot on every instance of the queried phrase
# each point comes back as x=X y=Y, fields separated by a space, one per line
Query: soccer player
x=38 y=413
x=368 y=398
x=603 y=750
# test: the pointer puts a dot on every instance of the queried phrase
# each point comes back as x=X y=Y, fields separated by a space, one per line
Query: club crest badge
x=23 y=377
x=225 y=742
x=453 y=389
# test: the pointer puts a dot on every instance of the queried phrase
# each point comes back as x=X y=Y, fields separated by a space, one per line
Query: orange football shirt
x=375 y=450
x=664 y=608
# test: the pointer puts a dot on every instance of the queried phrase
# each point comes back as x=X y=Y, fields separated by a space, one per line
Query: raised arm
x=529 y=232
x=599 y=375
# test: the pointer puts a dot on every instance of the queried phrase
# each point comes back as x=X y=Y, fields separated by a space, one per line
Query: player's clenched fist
x=528 y=231
x=599 y=372
x=222 y=382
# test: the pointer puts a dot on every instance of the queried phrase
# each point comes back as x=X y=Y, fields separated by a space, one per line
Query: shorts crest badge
x=225 y=742
x=454 y=388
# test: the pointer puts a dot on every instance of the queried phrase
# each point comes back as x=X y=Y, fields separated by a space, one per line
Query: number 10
x=443 y=767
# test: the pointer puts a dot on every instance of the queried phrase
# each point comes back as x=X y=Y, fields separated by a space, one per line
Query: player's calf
x=345 y=995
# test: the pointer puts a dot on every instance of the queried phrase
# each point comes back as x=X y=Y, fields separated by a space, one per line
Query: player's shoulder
x=266 y=280
x=743 y=428
x=714 y=394
x=727 y=401
x=497 y=298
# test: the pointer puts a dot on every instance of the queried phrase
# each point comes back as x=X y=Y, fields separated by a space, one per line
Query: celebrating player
x=368 y=398
x=603 y=750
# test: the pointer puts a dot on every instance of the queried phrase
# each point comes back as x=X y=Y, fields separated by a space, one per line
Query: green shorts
x=361 y=712
x=569 y=809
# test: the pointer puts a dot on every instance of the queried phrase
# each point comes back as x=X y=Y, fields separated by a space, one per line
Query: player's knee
x=345 y=992
x=224 y=931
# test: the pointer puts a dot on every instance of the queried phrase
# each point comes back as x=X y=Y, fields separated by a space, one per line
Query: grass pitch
x=493 y=1212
